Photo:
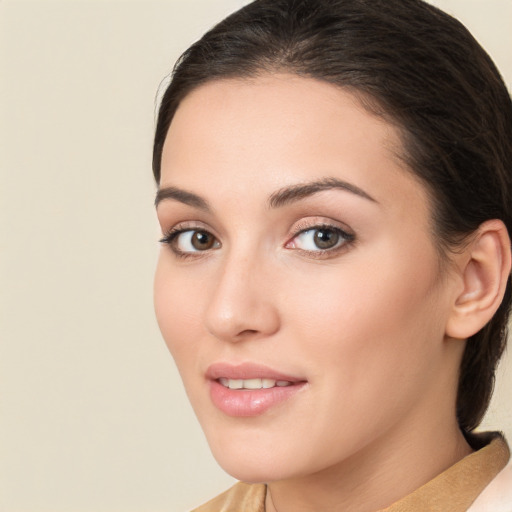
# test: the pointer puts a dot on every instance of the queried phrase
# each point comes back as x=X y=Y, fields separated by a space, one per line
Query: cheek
x=370 y=317
x=367 y=336
x=176 y=303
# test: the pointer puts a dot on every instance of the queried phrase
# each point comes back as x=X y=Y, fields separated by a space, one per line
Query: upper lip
x=247 y=370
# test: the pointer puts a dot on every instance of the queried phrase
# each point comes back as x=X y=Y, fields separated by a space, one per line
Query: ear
x=484 y=267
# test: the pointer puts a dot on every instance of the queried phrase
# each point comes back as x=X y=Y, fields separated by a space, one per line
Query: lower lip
x=250 y=402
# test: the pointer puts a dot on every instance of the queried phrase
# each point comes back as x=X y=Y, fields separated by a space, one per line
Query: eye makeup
x=320 y=239
x=313 y=239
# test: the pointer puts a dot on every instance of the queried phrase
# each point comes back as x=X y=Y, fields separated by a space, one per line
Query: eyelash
x=347 y=239
x=171 y=235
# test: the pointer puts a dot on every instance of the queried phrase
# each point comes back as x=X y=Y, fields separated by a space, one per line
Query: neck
x=375 y=477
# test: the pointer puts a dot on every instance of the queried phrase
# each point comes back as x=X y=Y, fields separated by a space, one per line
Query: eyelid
x=181 y=227
x=318 y=223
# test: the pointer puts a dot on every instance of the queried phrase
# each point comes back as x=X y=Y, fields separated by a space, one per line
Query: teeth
x=252 y=383
x=235 y=384
x=267 y=383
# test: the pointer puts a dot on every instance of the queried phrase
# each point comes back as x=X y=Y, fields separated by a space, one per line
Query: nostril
x=247 y=332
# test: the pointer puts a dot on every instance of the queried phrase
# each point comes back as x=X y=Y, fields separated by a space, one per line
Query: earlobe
x=484 y=272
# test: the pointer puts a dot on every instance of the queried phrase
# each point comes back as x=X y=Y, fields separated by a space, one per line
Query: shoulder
x=239 y=498
x=497 y=496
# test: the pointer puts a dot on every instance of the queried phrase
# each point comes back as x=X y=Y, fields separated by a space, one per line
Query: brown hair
x=422 y=70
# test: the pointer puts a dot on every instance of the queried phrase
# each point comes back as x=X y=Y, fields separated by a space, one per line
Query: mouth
x=248 y=389
x=253 y=383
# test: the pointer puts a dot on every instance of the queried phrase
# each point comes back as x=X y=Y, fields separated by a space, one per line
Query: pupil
x=326 y=238
x=202 y=240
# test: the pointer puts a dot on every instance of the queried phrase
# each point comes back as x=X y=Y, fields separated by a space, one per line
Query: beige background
x=93 y=417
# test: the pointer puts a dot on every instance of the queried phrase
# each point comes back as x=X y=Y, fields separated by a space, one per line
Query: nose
x=242 y=304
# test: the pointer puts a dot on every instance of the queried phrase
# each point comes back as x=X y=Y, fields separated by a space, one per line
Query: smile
x=252 y=383
x=250 y=389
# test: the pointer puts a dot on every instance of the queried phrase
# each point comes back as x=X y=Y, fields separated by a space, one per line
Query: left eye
x=320 y=239
x=187 y=241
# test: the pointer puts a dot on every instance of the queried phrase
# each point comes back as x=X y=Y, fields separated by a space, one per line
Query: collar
x=459 y=486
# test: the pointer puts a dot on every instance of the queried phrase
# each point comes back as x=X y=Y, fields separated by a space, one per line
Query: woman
x=335 y=198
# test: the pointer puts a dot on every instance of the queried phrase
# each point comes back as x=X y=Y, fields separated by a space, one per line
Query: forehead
x=275 y=130
x=279 y=104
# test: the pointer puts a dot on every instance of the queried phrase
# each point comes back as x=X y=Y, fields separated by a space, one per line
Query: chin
x=252 y=463
x=251 y=473
x=264 y=462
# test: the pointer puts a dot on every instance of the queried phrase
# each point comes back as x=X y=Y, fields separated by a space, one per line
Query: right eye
x=187 y=241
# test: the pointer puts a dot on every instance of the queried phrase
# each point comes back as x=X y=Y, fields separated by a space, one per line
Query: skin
x=364 y=324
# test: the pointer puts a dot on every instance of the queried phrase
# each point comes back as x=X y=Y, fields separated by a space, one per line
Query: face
x=298 y=284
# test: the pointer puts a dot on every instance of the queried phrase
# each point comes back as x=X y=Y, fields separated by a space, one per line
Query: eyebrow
x=183 y=196
x=281 y=197
x=294 y=193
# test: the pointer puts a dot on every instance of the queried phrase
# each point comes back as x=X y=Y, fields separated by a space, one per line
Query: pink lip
x=245 y=402
x=247 y=371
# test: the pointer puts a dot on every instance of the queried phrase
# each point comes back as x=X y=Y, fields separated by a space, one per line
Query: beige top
x=455 y=489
